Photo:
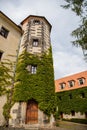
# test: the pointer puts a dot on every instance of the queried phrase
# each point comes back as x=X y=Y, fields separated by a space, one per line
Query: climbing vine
x=39 y=86
x=6 y=86
x=74 y=100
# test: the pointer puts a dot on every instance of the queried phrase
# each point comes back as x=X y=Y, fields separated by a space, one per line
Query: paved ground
x=55 y=128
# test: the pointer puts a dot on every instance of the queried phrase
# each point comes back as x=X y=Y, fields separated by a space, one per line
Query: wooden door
x=32 y=112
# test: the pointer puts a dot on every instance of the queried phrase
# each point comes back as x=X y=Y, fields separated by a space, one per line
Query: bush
x=82 y=121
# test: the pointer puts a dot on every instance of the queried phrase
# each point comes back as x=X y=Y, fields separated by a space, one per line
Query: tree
x=6 y=85
x=80 y=8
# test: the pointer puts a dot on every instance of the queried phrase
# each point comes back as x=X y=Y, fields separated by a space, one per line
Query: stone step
x=31 y=127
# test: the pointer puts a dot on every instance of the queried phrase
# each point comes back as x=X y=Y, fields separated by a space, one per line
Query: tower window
x=62 y=85
x=35 y=42
x=36 y=22
x=81 y=81
x=33 y=69
x=1 y=55
x=4 y=32
x=71 y=83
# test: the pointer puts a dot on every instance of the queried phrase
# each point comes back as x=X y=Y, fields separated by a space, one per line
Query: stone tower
x=34 y=82
x=36 y=37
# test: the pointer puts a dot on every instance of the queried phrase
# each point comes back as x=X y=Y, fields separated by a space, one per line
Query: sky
x=67 y=59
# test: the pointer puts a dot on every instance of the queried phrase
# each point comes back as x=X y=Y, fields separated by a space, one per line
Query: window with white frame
x=62 y=85
x=71 y=83
x=33 y=69
x=35 y=42
x=4 y=32
x=81 y=81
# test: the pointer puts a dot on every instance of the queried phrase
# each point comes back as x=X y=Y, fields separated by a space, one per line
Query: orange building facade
x=71 y=82
x=71 y=92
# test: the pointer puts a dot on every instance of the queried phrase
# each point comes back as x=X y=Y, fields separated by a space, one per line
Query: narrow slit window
x=1 y=53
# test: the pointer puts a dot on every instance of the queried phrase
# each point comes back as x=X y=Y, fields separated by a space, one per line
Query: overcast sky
x=67 y=58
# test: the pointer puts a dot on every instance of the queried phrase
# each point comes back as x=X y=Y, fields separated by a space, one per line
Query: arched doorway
x=32 y=112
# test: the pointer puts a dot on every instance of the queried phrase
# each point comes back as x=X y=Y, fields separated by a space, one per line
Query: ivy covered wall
x=39 y=86
x=74 y=100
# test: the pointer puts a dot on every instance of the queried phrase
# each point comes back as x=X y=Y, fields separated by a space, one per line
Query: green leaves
x=80 y=34
x=77 y=103
x=39 y=86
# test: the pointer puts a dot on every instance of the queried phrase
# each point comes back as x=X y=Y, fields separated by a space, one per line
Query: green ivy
x=76 y=102
x=39 y=86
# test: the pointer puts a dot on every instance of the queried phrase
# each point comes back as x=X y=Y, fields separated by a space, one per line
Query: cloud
x=67 y=64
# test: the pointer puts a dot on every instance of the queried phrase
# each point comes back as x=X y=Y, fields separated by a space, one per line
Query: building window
x=33 y=69
x=61 y=114
x=70 y=96
x=1 y=55
x=62 y=85
x=81 y=81
x=71 y=83
x=86 y=115
x=35 y=42
x=82 y=95
x=73 y=113
x=4 y=32
x=36 y=22
x=60 y=98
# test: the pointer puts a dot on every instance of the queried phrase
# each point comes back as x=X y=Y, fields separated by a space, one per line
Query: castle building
x=10 y=35
x=33 y=90
x=28 y=96
x=71 y=92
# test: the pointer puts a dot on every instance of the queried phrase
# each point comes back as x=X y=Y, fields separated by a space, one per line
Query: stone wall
x=3 y=100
